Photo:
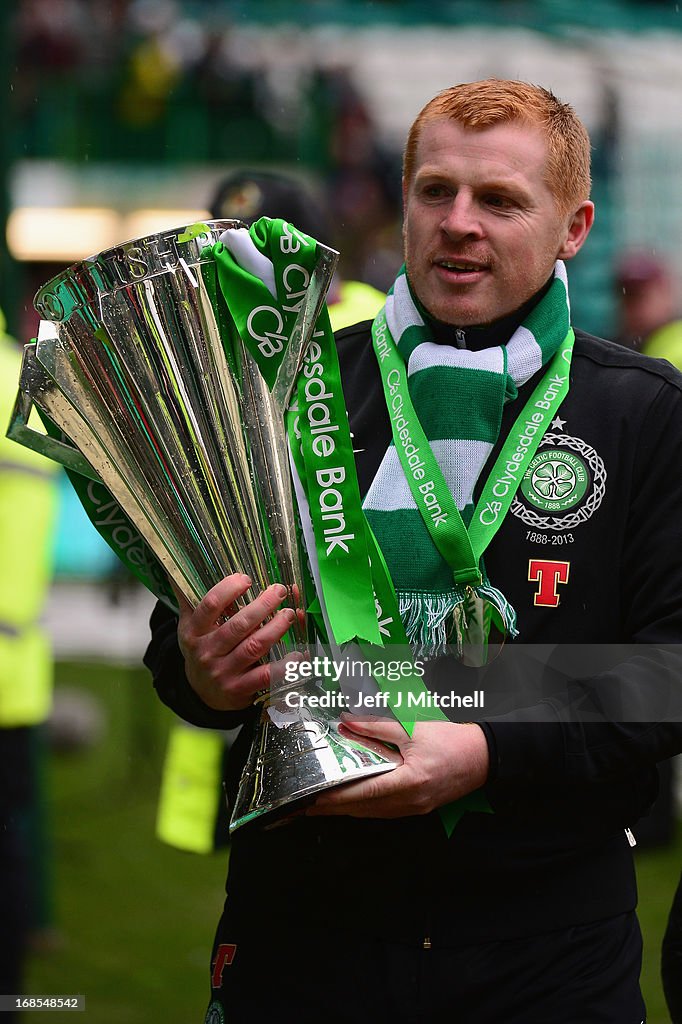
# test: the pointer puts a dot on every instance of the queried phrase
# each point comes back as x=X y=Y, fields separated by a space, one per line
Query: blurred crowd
x=142 y=79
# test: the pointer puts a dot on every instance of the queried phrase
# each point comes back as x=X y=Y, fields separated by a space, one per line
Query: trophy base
x=298 y=751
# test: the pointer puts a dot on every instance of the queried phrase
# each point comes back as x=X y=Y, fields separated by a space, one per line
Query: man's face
x=482 y=230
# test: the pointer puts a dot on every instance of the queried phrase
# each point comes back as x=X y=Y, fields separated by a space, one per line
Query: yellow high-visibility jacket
x=27 y=512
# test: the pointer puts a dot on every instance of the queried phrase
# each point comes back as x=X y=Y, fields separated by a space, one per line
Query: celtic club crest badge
x=563 y=485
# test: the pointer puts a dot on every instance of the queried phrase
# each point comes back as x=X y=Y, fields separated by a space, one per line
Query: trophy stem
x=299 y=749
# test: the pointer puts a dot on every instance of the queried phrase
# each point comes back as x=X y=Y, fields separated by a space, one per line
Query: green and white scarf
x=457 y=396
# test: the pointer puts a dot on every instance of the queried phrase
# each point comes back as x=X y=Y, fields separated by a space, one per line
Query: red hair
x=480 y=105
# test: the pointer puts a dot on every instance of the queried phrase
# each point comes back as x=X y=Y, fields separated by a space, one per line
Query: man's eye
x=434 y=191
x=499 y=202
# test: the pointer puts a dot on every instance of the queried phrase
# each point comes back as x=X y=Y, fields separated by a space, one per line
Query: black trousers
x=310 y=973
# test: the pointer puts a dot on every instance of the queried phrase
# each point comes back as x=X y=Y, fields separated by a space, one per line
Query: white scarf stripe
x=401 y=311
x=560 y=272
x=429 y=354
x=460 y=461
x=240 y=244
x=524 y=356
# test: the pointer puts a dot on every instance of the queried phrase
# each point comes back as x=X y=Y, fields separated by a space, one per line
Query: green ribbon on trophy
x=116 y=528
x=259 y=273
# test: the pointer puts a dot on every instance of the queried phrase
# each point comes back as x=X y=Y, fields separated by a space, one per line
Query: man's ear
x=578 y=230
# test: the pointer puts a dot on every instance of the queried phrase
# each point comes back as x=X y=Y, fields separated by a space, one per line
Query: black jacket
x=563 y=787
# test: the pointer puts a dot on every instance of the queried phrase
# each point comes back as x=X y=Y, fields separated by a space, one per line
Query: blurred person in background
x=249 y=194
x=649 y=318
x=364 y=907
x=27 y=513
x=192 y=813
x=671 y=958
x=362 y=180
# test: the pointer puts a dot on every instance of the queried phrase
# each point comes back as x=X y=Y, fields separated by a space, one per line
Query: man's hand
x=442 y=762
x=222 y=646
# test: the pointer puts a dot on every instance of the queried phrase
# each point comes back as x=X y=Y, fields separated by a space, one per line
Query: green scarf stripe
x=393 y=527
x=409 y=340
x=475 y=396
x=549 y=321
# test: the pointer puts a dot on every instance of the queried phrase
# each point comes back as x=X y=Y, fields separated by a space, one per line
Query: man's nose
x=462 y=218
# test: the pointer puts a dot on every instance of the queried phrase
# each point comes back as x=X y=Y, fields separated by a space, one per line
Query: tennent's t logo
x=223 y=958
x=549 y=575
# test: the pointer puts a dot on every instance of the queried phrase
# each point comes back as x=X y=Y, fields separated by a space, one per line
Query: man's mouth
x=460 y=268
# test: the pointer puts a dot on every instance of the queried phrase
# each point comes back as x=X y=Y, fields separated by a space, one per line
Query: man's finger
x=213 y=605
x=250 y=617
x=257 y=644
x=361 y=798
x=385 y=729
x=278 y=669
x=240 y=693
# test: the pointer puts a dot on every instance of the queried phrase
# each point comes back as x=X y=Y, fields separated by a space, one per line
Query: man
x=365 y=908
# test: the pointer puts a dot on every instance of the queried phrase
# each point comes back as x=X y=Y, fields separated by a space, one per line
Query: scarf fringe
x=425 y=618
x=432 y=621
x=500 y=602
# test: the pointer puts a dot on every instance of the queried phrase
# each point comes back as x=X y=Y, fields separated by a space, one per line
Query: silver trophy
x=143 y=405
